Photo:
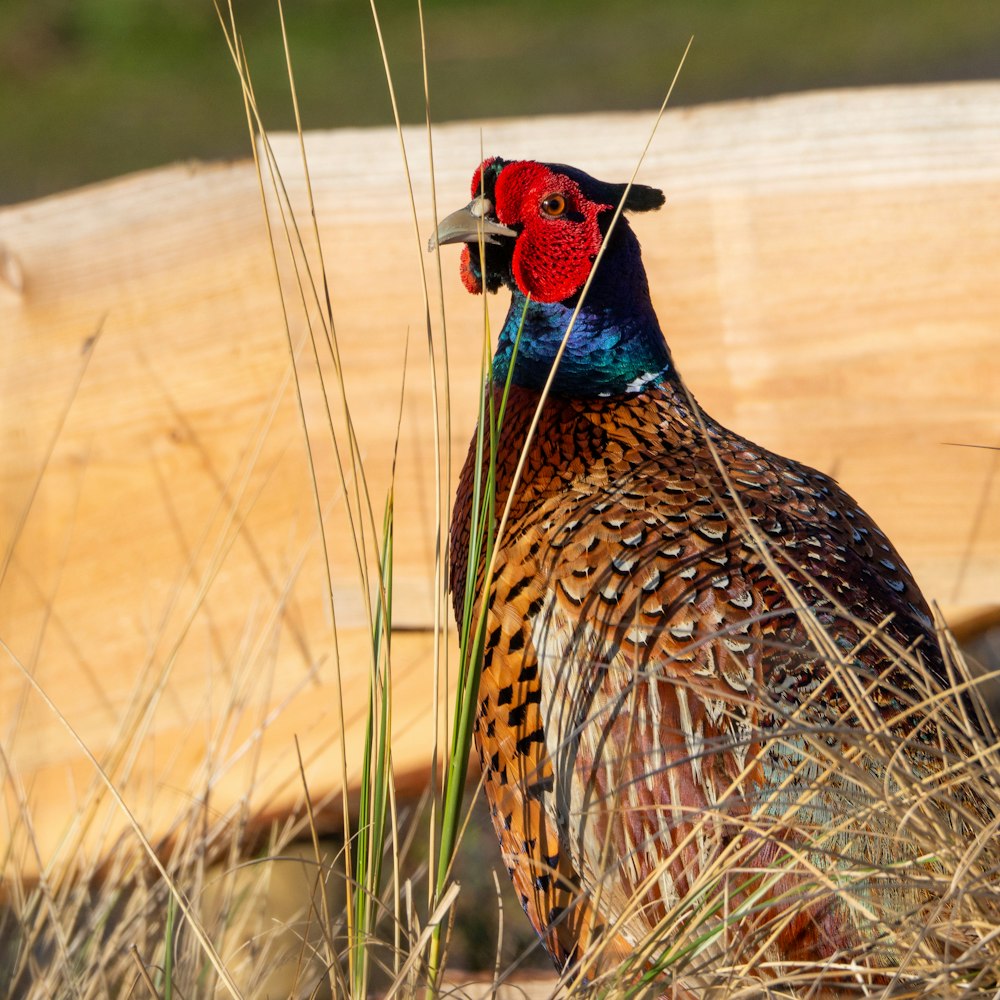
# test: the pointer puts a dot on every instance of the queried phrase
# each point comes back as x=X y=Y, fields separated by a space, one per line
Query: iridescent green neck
x=615 y=345
x=611 y=351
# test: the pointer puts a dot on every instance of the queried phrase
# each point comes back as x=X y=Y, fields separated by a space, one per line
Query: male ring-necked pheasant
x=687 y=637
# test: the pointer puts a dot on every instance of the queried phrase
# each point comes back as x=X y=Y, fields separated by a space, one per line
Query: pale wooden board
x=826 y=269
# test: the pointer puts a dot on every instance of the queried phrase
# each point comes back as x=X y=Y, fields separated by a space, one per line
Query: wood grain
x=826 y=270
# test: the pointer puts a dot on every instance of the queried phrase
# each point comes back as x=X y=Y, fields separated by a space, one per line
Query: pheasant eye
x=554 y=205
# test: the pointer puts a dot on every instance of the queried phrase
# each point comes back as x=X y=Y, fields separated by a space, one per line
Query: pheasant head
x=537 y=228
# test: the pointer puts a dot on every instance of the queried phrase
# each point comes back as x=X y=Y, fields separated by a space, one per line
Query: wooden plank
x=826 y=271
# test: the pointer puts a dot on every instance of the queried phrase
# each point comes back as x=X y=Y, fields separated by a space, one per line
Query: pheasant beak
x=469 y=225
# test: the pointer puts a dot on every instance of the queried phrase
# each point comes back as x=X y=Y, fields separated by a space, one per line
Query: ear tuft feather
x=642 y=198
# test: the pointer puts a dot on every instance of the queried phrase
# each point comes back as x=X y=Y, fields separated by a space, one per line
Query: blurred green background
x=94 y=88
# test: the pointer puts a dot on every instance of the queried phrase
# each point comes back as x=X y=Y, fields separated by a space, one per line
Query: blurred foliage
x=93 y=88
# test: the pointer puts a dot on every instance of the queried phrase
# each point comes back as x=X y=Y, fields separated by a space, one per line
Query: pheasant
x=704 y=664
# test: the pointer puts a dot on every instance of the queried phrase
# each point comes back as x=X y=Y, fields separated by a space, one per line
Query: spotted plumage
x=684 y=634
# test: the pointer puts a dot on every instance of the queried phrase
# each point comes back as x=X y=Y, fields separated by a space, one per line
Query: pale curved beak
x=469 y=225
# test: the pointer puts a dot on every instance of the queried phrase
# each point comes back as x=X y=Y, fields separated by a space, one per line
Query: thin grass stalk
x=416 y=229
x=376 y=775
x=397 y=903
x=143 y=974
x=499 y=949
x=438 y=915
x=243 y=73
x=168 y=949
x=471 y=644
x=385 y=594
x=442 y=498
x=470 y=656
x=441 y=504
x=547 y=387
x=22 y=518
x=324 y=917
x=361 y=494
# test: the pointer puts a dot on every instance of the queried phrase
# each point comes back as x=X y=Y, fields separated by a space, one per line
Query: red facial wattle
x=553 y=256
x=472 y=281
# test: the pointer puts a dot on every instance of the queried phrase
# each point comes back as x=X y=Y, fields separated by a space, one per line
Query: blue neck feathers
x=615 y=347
